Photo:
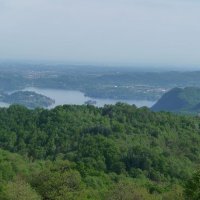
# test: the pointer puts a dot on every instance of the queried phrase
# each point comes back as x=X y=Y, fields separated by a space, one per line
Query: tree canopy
x=84 y=152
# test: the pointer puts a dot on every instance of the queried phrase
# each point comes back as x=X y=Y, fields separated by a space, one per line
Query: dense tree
x=19 y=189
x=128 y=191
x=84 y=152
x=58 y=182
x=192 y=187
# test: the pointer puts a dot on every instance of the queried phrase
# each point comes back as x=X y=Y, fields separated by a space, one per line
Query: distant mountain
x=179 y=100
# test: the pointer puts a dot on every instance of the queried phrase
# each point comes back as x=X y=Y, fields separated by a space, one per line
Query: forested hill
x=84 y=152
x=180 y=100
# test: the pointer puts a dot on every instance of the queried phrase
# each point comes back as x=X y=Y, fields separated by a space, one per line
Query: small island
x=27 y=98
x=90 y=102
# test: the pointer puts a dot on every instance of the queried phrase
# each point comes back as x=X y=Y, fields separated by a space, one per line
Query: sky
x=115 y=32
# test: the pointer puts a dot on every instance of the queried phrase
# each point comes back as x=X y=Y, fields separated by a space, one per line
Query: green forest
x=118 y=152
x=180 y=100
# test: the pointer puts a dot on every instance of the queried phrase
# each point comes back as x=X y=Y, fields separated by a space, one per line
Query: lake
x=78 y=98
x=2 y=104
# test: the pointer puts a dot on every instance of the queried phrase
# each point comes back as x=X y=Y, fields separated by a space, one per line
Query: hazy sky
x=165 y=32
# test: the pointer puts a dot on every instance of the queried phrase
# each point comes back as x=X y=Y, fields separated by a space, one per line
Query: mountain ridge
x=179 y=100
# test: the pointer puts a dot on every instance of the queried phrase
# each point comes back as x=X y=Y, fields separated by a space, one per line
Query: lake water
x=2 y=104
x=78 y=98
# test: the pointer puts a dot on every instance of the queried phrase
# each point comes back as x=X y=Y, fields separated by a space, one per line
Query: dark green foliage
x=192 y=187
x=114 y=138
x=84 y=152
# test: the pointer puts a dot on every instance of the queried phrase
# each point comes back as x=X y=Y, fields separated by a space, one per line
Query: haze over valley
x=67 y=84
x=99 y=100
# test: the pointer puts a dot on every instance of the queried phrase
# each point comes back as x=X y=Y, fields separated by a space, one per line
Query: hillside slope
x=84 y=152
x=179 y=100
